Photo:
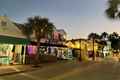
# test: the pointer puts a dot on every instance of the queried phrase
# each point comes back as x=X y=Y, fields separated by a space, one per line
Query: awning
x=48 y=44
x=13 y=40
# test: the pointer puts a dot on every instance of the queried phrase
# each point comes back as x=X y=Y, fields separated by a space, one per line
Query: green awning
x=13 y=40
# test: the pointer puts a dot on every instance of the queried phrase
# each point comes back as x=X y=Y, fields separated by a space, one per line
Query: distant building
x=63 y=34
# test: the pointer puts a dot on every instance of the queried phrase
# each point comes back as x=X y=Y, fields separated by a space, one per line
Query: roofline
x=77 y=39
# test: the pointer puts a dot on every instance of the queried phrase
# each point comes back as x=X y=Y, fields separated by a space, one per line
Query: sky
x=77 y=17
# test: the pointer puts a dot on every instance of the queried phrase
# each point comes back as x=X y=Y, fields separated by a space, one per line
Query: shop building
x=12 y=43
x=83 y=48
x=54 y=45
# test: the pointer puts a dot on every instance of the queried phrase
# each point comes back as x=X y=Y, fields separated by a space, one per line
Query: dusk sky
x=77 y=17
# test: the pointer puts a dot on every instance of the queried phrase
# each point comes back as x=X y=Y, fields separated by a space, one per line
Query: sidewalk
x=13 y=69
x=107 y=59
x=8 y=70
x=99 y=59
x=112 y=58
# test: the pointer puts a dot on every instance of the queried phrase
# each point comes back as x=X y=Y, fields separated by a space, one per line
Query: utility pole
x=80 y=50
x=93 y=49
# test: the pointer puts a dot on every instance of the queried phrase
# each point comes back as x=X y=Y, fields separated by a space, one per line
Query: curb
x=21 y=71
x=26 y=70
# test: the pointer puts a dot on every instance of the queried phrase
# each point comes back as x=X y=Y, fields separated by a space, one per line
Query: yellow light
x=77 y=45
x=70 y=44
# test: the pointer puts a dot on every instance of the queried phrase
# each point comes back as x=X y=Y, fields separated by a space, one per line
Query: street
x=71 y=70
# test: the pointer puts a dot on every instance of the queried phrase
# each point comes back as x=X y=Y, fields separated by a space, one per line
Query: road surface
x=71 y=70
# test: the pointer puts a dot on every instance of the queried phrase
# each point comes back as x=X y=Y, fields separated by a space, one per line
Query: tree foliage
x=93 y=36
x=113 y=9
x=41 y=27
x=114 y=38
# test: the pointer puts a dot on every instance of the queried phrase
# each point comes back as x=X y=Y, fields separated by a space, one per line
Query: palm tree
x=104 y=36
x=114 y=38
x=94 y=37
x=103 y=40
x=113 y=9
x=41 y=28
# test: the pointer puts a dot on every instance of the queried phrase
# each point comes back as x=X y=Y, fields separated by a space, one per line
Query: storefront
x=58 y=50
x=12 y=42
x=12 y=50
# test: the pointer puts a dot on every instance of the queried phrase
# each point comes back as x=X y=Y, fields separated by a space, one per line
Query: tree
x=103 y=41
x=94 y=37
x=114 y=38
x=114 y=35
x=41 y=28
x=104 y=36
x=113 y=9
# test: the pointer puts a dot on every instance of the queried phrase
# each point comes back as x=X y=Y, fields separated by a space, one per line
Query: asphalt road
x=71 y=71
